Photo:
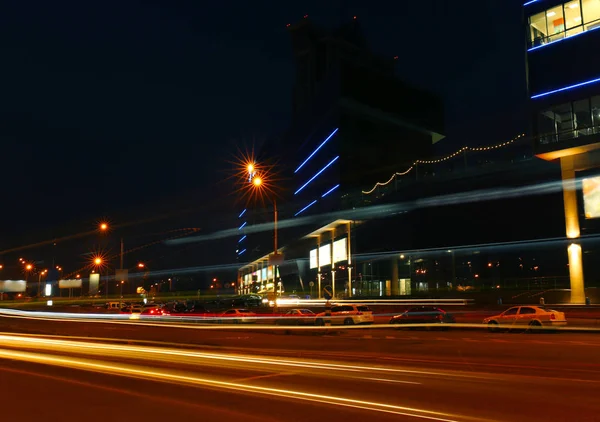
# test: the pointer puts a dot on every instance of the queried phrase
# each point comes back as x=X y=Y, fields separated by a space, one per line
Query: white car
x=526 y=317
x=347 y=315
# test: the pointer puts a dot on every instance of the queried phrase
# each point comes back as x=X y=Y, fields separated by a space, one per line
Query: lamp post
x=259 y=185
x=40 y=274
x=98 y=262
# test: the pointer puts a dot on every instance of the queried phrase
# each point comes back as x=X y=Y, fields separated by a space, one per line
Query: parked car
x=237 y=316
x=526 y=317
x=423 y=315
x=297 y=317
x=347 y=315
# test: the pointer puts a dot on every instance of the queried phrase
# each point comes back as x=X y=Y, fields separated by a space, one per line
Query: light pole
x=40 y=274
x=28 y=268
x=98 y=262
x=258 y=184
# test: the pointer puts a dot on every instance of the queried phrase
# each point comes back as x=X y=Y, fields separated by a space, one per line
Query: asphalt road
x=66 y=380
x=65 y=370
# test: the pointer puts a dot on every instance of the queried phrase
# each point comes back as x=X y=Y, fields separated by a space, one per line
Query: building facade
x=563 y=79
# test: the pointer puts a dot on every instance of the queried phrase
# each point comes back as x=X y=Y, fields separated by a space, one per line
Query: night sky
x=132 y=109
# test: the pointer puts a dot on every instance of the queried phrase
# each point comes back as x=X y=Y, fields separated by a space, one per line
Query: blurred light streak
x=195 y=323
x=167 y=376
x=386 y=210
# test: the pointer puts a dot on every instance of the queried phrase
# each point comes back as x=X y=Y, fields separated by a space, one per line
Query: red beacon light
x=354 y=18
x=395 y=57
x=305 y=16
x=288 y=25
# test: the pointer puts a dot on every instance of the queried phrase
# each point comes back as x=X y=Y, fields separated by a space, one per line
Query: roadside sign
x=311 y=284
x=327 y=292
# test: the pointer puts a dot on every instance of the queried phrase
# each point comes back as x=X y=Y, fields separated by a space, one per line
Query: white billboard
x=13 y=286
x=94 y=283
x=340 y=252
x=591 y=197
x=70 y=284
x=313 y=259
x=325 y=255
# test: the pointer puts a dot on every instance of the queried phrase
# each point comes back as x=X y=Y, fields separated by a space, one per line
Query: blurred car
x=423 y=315
x=347 y=315
x=297 y=317
x=237 y=316
x=154 y=311
x=526 y=317
x=132 y=309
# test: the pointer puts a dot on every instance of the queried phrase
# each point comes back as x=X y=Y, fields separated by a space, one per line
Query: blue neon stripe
x=242 y=226
x=316 y=175
x=330 y=190
x=318 y=148
x=243 y=237
x=242 y=213
x=306 y=207
x=530 y=2
x=242 y=252
x=566 y=88
x=562 y=39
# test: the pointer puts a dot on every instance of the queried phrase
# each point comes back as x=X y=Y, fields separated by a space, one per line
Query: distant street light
x=103 y=227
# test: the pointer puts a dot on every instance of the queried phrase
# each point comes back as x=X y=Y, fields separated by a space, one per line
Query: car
x=237 y=316
x=296 y=317
x=154 y=311
x=423 y=315
x=347 y=315
x=526 y=317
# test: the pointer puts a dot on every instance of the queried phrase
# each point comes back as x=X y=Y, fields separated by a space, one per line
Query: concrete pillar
x=318 y=267
x=567 y=167
x=332 y=264
x=349 y=251
x=394 y=277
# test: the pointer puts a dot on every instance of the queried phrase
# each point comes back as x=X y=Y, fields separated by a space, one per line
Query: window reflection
x=570 y=120
x=565 y=20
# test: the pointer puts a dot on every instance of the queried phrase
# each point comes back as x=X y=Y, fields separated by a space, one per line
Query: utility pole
x=121 y=267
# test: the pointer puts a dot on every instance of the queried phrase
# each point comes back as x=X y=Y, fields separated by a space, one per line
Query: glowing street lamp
x=103 y=227
x=141 y=265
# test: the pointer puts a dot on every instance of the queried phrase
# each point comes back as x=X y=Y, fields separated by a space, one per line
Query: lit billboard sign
x=13 y=286
x=340 y=252
x=94 y=283
x=325 y=255
x=591 y=197
x=313 y=259
x=69 y=284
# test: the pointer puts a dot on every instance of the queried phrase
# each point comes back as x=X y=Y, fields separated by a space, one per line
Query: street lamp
x=40 y=274
x=259 y=185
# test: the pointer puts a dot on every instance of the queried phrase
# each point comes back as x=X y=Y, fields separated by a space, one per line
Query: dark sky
x=126 y=108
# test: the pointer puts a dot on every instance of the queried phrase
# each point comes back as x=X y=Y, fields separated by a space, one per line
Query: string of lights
x=446 y=158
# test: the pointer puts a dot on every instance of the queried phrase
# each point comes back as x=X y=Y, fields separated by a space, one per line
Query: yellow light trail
x=169 y=376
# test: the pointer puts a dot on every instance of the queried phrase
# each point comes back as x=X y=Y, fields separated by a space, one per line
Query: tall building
x=353 y=123
x=563 y=75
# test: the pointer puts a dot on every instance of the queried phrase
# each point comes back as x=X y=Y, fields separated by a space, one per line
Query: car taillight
x=552 y=316
x=359 y=313
x=440 y=317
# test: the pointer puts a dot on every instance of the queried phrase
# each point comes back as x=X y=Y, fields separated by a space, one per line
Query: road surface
x=152 y=373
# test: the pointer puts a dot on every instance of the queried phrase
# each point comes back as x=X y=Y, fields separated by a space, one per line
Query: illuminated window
x=556 y=23
x=591 y=14
x=539 y=31
x=573 y=24
x=563 y=21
